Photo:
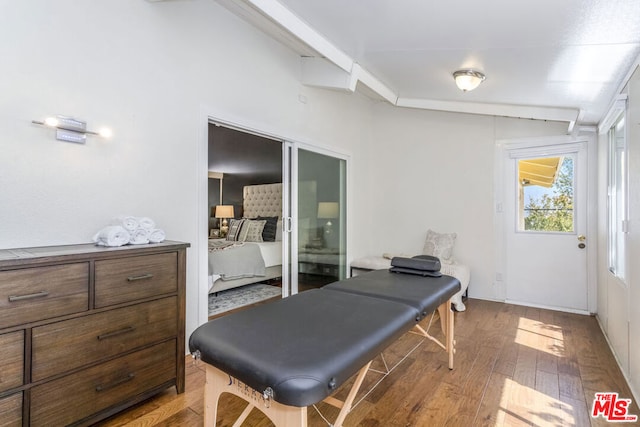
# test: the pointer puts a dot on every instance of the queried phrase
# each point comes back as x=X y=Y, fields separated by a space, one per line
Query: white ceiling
x=564 y=59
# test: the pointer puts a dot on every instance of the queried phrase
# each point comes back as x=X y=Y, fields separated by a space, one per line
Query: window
x=617 y=197
x=546 y=189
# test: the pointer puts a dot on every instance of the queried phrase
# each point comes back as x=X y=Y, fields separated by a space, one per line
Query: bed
x=238 y=263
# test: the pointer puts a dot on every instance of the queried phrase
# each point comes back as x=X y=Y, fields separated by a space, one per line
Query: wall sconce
x=70 y=129
x=467 y=80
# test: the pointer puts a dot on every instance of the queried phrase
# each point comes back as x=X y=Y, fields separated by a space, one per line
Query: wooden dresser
x=87 y=331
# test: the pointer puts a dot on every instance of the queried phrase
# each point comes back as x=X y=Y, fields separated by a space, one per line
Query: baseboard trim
x=635 y=394
x=548 y=307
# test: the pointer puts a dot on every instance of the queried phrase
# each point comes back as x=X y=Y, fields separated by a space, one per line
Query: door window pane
x=546 y=192
x=321 y=219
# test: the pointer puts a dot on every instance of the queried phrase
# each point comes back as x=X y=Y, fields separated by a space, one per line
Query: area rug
x=239 y=297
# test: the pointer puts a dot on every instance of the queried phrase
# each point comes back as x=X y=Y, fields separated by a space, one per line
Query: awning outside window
x=542 y=172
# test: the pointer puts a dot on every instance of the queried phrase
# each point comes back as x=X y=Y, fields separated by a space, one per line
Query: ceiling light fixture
x=467 y=80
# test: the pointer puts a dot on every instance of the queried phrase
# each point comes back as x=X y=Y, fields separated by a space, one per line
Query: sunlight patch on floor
x=540 y=336
x=521 y=405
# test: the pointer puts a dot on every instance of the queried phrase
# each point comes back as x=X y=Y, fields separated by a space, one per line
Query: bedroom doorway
x=244 y=191
x=302 y=188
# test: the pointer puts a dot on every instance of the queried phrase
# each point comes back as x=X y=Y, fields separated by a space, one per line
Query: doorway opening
x=244 y=209
x=276 y=214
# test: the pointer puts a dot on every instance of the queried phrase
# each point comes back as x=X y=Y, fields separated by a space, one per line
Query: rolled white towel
x=139 y=236
x=113 y=235
x=146 y=223
x=130 y=223
x=156 y=235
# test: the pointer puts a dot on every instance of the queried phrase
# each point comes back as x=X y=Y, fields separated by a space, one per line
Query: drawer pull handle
x=103 y=387
x=14 y=298
x=140 y=277
x=115 y=333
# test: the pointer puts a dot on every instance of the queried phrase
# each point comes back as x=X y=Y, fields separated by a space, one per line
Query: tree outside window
x=551 y=209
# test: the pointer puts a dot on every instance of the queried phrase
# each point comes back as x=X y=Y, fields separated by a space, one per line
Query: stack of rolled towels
x=129 y=230
x=420 y=265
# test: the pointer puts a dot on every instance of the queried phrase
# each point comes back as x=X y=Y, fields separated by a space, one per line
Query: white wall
x=436 y=170
x=633 y=123
x=151 y=72
x=617 y=301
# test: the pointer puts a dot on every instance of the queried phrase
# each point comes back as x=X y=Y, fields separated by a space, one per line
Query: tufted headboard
x=262 y=200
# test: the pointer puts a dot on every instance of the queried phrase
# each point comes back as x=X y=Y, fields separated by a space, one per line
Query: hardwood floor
x=514 y=366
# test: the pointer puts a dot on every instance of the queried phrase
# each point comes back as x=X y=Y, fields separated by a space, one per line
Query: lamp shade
x=467 y=80
x=224 y=211
x=327 y=210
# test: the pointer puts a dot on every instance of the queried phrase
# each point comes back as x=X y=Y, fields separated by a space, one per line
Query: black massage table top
x=303 y=347
x=404 y=288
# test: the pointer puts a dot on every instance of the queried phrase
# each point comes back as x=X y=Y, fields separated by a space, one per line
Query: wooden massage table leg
x=345 y=407
x=218 y=382
x=446 y=322
x=449 y=325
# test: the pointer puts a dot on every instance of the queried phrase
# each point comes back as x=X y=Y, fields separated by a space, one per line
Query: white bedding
x=272 y=255
x=271 y=252
x=236 y=262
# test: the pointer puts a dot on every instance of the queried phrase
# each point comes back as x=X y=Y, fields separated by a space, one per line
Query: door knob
x=581 y=238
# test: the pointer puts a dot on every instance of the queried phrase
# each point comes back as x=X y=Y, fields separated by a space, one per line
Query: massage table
x=284 y=356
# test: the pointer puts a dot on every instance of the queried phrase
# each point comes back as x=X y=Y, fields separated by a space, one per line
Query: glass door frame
x=290 y=190
x=210 y=115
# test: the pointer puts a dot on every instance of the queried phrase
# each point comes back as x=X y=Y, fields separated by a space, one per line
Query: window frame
x=521 y=197
x=617 y=195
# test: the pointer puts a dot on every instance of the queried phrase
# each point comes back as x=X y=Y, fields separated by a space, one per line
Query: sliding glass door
x=317 y=241
x=313 y=220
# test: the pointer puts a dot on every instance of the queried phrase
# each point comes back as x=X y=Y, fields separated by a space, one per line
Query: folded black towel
x=420 y=262
x=422 y=273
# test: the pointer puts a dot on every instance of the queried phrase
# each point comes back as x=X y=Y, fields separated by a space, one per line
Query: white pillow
x=440 y=245
x=251 y=230
x=235 y=225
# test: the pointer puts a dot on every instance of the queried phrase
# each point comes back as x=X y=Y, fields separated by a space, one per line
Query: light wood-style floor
x=515 y=366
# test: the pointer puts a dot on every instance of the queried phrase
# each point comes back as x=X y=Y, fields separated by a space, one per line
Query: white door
x=545 y=224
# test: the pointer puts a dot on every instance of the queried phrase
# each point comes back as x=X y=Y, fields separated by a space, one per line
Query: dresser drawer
x=62 y=346
x=11 y=360
x=32 y=294
x=11 y=411
x=103 y=386
x=129 y=279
